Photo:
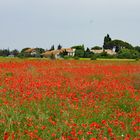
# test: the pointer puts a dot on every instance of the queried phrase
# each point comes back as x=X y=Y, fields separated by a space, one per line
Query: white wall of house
x=33 y=53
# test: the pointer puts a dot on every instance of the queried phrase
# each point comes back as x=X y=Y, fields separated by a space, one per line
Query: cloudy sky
x=42 y=23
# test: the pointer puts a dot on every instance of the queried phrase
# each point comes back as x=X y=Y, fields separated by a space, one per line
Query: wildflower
x=53 y=134
x=80 y=132
x=6 y=136
x=89 y=133
x=104 y=122
x=109 y=130
x=93 y=139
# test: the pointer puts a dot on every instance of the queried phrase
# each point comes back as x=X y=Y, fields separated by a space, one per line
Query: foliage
x=66 y=57
x=80 y=50
x=52 y=56
x=59 y=47
x=118 y=44
x=94 y=57
x=79 y=53
x=40 y=50
x=76 y=58
x=63 y=53
x=107 y=39
x=79 y=47
x=104 y=55
x=15 y=52
x=96 y=48
x=52 y=48
x=24 y=49
x=23 y=55
x=88 y=53
x=137 y=48
x=4 y=52
x=127 y=53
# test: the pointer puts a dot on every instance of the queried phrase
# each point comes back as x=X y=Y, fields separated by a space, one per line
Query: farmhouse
x=53 y=53
x=31 y=51
x=57 y=53
x=108 y=51
x=69 y=51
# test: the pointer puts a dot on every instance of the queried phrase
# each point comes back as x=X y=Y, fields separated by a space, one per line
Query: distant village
x=110 y=49
x=69 y=52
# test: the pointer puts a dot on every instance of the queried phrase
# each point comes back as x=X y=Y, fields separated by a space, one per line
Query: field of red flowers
x=69 y=100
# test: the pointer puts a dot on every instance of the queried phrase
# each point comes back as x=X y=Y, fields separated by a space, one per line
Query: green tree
x=1 y=52
x=79 y=47
x=24 y=49
x=15 y=52
x=137 y=48
x=52 y=48
x=128 y=53
x=23 y=54
x=79 y=53
x=59 y=47
x=80 y=50
x=63 y=53
x=40 y=50
x=5 y=52
x=88 y=53
x=107 y=39
x=96 y=48
x=118 y=44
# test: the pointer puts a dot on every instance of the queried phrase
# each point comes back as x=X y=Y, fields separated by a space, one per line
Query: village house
x=31 y=51
x=53 y=53
x=57 y=53
x=108 y=51
x=69 y=51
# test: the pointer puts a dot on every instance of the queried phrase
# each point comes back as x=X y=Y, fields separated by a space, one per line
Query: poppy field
x=69 y=100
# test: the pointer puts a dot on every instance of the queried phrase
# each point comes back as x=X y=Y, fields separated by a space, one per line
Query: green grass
x=115 y=59
x=109 y=59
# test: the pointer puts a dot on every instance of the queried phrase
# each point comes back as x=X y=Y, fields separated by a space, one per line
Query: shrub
x=128 y=53
x=76 y=58
x=94 y=57
x=52 y=57
x=67 y=57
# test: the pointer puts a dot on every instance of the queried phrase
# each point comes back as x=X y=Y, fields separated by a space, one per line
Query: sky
x=42 y=23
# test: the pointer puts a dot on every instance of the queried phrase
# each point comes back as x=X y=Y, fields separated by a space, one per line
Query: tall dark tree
x=87 y=50
x=59 y=47
x=52 y=48
x=107 y=39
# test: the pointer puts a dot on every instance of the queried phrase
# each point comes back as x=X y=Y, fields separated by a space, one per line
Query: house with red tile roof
x=57 y=53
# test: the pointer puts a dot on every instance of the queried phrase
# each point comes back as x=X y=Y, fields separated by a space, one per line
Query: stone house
x=57 y=53
x=108 y=51
x=31 y=51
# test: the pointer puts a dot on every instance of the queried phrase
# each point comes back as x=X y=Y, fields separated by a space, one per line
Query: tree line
x=123 y=50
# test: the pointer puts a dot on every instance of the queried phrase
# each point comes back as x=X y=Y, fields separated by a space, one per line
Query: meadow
x=69 y=100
